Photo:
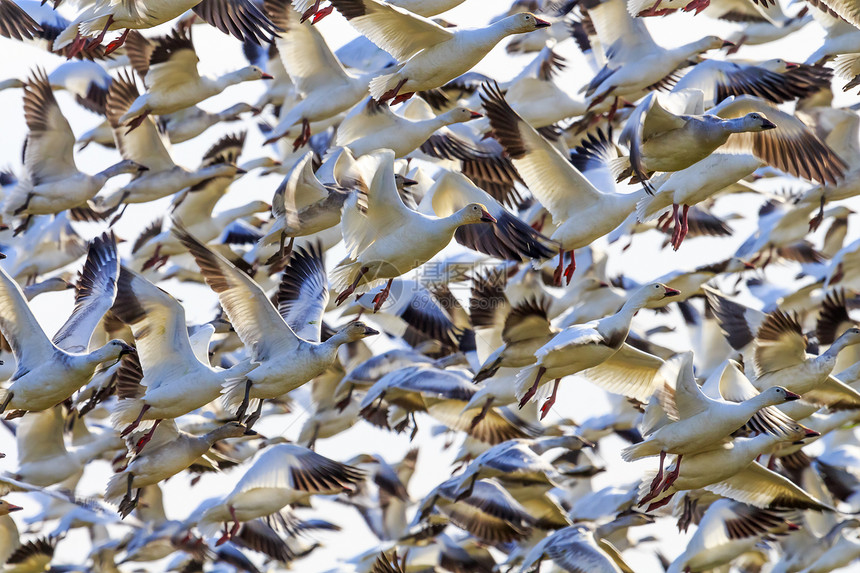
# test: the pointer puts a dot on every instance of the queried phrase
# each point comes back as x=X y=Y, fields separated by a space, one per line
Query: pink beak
x=672 y=292
x=475 y=114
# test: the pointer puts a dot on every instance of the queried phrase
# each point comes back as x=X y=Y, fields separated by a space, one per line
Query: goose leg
x=26 y=204
x=483 y=413
x=304 y=136
x=146 y=438
x=116 y=44
x=131 y=427
x=380 y=298
x=128 y=502
x=571 y=268
x=76 y=46
x=310 y=11
x=815 y=222
x=341 y=406
x=533 y=390
x=673 y=475
x=351 y=288
x=661 y=503
x=556 y=277
x=150 y=262
x=253 y=418
x=681 y=228
x=243 y=407
x=676 y=225
x=392 y=93
x=659 y=477
x=23 y=226
x=402 y=98
x=100 y=38
x=322 y=14
x=135 y=123
x=544 y=410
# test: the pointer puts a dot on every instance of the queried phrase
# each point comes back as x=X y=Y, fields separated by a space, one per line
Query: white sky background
x=578 y=400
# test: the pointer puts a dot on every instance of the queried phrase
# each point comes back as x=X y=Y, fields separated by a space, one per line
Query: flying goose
x=241 y=18
x=175 y=379
x=49 y=371
x=426 y=8
x=581 y=212
x=169 y=69
x=284 y=343
x=325 y=87
x=53 y=181
x=389 y=239
x=599 y=349
x=429 y=54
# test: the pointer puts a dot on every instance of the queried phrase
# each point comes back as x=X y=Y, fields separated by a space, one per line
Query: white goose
x=327 y=89
x=49 y=371
x=580 y=211
x=173 y=452
x=169 y=69
x=390 y=239
x=283 y=474
x=700 y=422
x=425 y=8
x=53 y=181
x=190 y=122
x=240 y=18
x=176 y=379
x=429 y=54
x=284 y=343
x=371 y=126
x=600 y=348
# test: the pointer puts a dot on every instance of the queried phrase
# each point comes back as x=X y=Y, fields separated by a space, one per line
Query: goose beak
x=14 y=508
x=409 y=182
x=250 y=432
x=791 y=65
x=767 y=124
x=672 y=292
x=2 y=256
x=487 y=218
x=142 y=168
x=811 y=433
x=791 y=396
x=267 y=77
x=727 y=44
x=370 y=331
x=475 y=114
x=126 y=349
x=748 y=265
x=541 y=23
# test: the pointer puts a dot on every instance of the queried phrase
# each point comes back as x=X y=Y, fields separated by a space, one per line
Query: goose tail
x=116 y=488
x=383 y=84
x=525 y=380
x=638 y=451
x=125 y=412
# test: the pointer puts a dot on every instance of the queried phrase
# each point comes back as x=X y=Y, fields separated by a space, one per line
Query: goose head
x=849 y=337
x=357 y=330
x=756 y=122
x=474 y=213
x=462 y=114
x=230 y=430
x=652 y=293
x=6 y=508
x=524 y=22
x=124 y=167
x=796 y=433
x=712 y=43
x=776 y=395
x=251 y=73
x=114 y=350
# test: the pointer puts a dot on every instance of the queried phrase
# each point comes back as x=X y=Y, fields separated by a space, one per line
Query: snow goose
x=53 y=181
x=429 y=54
x=241 y=18
x=580 y=211
x=49 y=371
x=700 y=422
x=664 y=141
x=190 y=122
x=86 y=80
x=598 y=347
x=160 y=460
x=780 y=352
x=731 y=471
x=390 y=239
x=169 y=69
x=283 y=474
x=175 y=381
x=326 y=88
x=371 y=126
x=283 y=343
x=635 y=62
x=727 y=530
x=573 y=549
x=844 y=550
x=146 y=146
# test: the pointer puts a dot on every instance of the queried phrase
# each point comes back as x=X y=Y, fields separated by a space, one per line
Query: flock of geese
x=445 y=250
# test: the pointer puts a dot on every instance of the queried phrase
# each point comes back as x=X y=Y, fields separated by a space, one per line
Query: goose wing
x=157 y=321
x=20 y=328
x=557 y=184
x=758 y=486
x=240 y=18
x=172 y=64
x=255 y=319
x=629 y=372
x=94 y=295
x=49 y=151
x=303 y=293
x=397 y=31
x=791 y=147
